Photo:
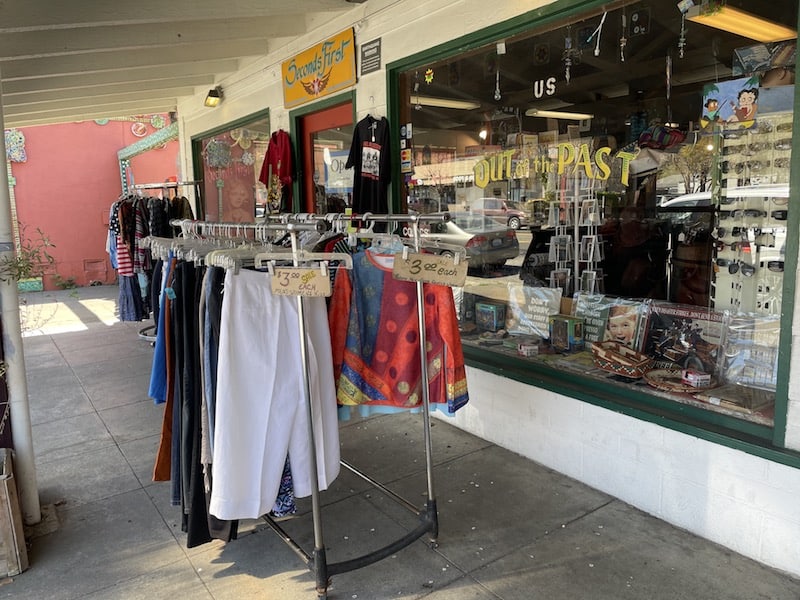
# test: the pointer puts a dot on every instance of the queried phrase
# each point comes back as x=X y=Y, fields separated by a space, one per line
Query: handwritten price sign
x=300 y=282
x=430 y=268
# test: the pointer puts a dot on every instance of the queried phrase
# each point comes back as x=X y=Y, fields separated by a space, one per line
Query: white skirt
x=261 y=411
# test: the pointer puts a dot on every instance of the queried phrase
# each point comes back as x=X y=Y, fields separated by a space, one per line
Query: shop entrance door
x=325 y=137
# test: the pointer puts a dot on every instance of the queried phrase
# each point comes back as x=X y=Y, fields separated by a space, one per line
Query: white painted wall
x=740 y=501
x=743 y=502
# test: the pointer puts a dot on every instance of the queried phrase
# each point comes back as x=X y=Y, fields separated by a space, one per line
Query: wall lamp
x=741 y=23
x=214 y=97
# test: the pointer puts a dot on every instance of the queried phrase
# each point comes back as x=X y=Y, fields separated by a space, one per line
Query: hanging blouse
x=375 y=340
x=278 y=162
x=141 y=256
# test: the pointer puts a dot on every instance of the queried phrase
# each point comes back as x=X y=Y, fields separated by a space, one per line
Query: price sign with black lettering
x=430 y=268
x=299 y=281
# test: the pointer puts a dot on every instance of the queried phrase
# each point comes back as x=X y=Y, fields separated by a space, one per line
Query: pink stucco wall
x=68 y=183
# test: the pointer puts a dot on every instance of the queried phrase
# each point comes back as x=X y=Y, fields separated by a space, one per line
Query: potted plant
x=30 y=261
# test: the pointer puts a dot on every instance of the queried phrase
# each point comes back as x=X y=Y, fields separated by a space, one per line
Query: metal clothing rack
x=165 y=185
x=428 y=517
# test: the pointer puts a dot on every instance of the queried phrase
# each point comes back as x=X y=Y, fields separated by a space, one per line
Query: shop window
x=640 y=159
x=231 y=163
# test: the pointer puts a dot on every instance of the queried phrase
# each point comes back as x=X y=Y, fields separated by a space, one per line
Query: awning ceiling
x=92 y=59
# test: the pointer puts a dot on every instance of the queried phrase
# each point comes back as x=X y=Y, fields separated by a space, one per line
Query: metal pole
x=320 y=560
x=24 y=463
x=423 y=345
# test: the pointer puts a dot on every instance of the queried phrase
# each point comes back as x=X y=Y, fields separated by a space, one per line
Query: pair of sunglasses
x=746 y=149
x=782 y=163
x=752 y=165
x=765 y=239
x=742 y=212
x=784 y=144
x=737 y=266
x=748 y=212
x=776 y=266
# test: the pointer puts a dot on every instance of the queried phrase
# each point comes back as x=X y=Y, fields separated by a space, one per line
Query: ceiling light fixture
x=446 y=103
x=214 y=97
x=557 y=114
x=741 y=23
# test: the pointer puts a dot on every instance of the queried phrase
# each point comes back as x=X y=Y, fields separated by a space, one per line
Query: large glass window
x=640 y=157
x=231 y=163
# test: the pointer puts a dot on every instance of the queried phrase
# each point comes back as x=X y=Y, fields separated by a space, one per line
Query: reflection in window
x=231 y=165
x=642 y=161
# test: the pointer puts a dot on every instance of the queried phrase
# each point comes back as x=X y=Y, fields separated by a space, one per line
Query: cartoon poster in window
x=730 y=104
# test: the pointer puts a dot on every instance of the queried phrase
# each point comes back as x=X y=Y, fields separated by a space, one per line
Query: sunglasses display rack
x=750 y=232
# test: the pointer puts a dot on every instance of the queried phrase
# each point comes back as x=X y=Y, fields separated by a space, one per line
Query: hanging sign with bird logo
x=321 y=70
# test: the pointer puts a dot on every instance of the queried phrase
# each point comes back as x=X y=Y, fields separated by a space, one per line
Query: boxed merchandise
x=696 y=378
x=528 y=349
x=467 y=313
x=566 y=333
x=490 y=316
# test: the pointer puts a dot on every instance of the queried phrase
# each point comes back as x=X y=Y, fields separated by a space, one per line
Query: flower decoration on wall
x=218 y=154
x=429 y=76
x=242 y=137
x=15 y=146
x=139 y=129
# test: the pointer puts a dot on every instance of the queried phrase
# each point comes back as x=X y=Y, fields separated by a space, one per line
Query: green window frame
x=753 y=438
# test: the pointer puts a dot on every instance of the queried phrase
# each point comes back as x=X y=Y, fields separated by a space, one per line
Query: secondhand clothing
x=261 y=410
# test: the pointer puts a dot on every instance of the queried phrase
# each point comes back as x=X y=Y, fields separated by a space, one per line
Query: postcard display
x=576 y=248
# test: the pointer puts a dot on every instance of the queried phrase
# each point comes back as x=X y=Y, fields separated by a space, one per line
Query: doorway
x=325 y=138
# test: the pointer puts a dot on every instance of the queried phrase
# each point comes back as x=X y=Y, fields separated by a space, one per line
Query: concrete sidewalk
x=509 y=528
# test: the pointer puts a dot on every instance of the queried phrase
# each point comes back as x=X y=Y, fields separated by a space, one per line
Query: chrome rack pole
x=430 y=516
x=319 y=560
x=218 y=227
x=432 y=512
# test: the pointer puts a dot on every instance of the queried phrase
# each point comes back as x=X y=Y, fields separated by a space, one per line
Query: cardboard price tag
x=430 y=268
x=300 y=281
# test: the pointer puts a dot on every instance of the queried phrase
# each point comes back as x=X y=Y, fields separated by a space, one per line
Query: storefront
x=642 y=343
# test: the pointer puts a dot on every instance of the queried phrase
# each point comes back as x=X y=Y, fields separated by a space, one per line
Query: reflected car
x=701 y=199
x=688 y=208
x=500 y=209
x=489 y=244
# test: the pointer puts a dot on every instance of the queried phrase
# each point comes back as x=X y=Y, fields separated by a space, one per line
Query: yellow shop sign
x=321 y=70
x=568 y=159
